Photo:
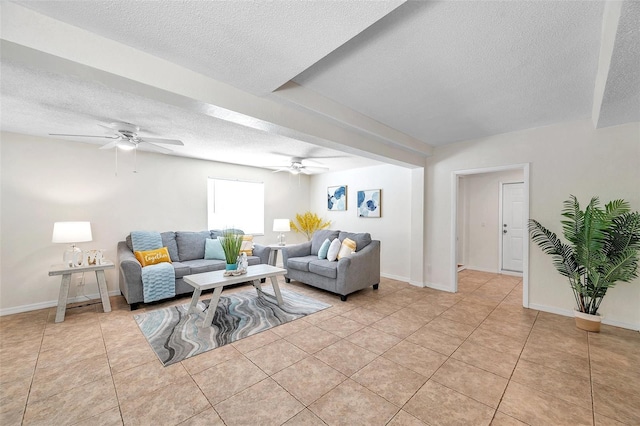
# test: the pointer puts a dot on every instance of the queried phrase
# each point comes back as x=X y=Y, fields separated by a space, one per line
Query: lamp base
x=282 y=239
x=72 y=256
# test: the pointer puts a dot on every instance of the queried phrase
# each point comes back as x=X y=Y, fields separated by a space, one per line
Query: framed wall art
x=369 y=203
x=337 y=198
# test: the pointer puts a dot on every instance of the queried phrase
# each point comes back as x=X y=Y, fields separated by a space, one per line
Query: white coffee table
x=216 y=280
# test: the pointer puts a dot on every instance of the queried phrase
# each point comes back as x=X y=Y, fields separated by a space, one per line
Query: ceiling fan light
x=295 y=171
x=126 y=145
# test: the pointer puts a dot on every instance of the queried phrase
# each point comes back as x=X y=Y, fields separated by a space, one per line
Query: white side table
x=275 y=248
x=67 y=271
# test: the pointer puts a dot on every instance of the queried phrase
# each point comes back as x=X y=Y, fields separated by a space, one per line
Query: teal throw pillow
x=324 y=249
x=213 y=249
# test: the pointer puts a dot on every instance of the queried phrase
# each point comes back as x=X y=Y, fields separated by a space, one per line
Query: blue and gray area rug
x=176 y=335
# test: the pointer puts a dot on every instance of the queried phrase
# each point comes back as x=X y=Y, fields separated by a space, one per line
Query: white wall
x=570 y=158
x=393 y=229
x=480 y=218
x=47 y=180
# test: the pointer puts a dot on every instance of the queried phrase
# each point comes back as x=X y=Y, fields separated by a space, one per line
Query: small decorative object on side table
x=66 y=273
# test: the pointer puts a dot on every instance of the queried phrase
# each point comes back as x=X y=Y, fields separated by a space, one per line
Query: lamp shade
x=281 y=225
x=71 y=232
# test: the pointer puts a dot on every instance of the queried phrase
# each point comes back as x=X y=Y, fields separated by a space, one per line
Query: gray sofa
x=352 y=273
x=186 y=250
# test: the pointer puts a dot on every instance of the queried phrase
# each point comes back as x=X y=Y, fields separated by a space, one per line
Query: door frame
x=455 y=178
x=501 y=269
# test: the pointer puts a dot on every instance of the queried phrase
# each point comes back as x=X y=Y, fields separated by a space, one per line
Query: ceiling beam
x=307 y=99
x=610 y=20
x=45 y=43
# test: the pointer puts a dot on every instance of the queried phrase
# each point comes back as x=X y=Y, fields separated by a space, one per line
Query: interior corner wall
x=568 y=158
x=393 y=228
x=480 y=215
x=46 y=180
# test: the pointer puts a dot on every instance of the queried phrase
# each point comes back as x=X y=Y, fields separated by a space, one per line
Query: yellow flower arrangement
x=308 y=223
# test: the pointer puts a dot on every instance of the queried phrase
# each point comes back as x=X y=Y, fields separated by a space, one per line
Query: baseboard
x=395 y=277
x=479 y=269
x=440 y=287
x=511 y=273
x=568 y=313
x=52 y=303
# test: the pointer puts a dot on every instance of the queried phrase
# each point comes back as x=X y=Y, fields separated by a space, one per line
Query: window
x=236 y=204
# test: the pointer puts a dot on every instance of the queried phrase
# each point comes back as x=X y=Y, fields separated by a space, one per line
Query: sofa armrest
x=360 y=269
x=130 y=271
x=263 y=252
x=297 y=250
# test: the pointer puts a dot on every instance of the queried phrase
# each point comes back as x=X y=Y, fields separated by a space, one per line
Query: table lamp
x=71 y=233
x=281 y=226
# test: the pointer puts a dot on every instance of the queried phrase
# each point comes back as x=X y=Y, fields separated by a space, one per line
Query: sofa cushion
x=198 y=266
x=301 y=263
x=169 y=241
x=334 y=249
x=181 y=269
x=324 y=249
x=347 y=248
x=152 y=257
x=215 y=233
x=324 y=267
x=319 y=237
x=191 y=244
x=213 y=249
x=362 y=239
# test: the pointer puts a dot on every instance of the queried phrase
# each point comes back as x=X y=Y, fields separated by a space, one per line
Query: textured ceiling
x=401 y=76
x=451 y=71
x=253 y=45
x=621 y=102
x=33 y=101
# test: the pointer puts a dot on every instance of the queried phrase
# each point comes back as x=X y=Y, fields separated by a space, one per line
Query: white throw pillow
x=334 y=248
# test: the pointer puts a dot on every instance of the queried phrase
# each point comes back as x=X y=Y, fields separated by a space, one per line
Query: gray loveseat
x=352 y=273
x=186 y=250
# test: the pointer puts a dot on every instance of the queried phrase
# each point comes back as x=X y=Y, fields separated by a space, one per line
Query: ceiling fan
x=298 y=166
x=125 y=136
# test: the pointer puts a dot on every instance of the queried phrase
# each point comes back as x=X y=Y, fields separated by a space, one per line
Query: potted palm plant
x=231 y=243
x=308 y=223
x=602 y=249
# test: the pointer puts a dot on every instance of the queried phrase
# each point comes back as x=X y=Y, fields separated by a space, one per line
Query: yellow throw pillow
x=247 y=245
x=152 y=257
x=348 y=247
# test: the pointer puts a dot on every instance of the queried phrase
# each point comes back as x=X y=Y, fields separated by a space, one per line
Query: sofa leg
x=263 y=280
x=134 y=306
x=343 y=298
x=287 y=280
x=375 y=286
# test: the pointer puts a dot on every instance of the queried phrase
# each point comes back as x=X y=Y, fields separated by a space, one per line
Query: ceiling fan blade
x=316 y=169
x=148 y=146
x=83 y=136
x=109 y=145
x=305 y=171
x=160 y=140
x=280 y=169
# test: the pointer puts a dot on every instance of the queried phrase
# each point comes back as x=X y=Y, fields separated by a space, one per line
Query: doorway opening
x=458 y=205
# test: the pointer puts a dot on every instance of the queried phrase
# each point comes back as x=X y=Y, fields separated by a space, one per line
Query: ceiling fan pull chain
x=135 y=160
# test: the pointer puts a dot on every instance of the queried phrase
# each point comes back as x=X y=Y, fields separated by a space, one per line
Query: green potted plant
x=231 y=243
x=602 y=249
x=308 y=223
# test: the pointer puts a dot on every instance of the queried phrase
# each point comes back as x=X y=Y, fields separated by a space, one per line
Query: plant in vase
x=308 y=223
x=231 y=243
x=602 y=249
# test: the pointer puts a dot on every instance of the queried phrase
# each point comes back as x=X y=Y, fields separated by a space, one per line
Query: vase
x=588 y=322
x=231 y=266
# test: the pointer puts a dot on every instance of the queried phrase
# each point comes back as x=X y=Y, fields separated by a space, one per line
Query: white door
x=513 y=228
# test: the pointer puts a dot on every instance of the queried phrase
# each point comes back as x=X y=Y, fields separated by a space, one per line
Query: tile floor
x=400 y=355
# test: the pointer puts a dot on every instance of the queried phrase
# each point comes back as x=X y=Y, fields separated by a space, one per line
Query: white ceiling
x=374 y=80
